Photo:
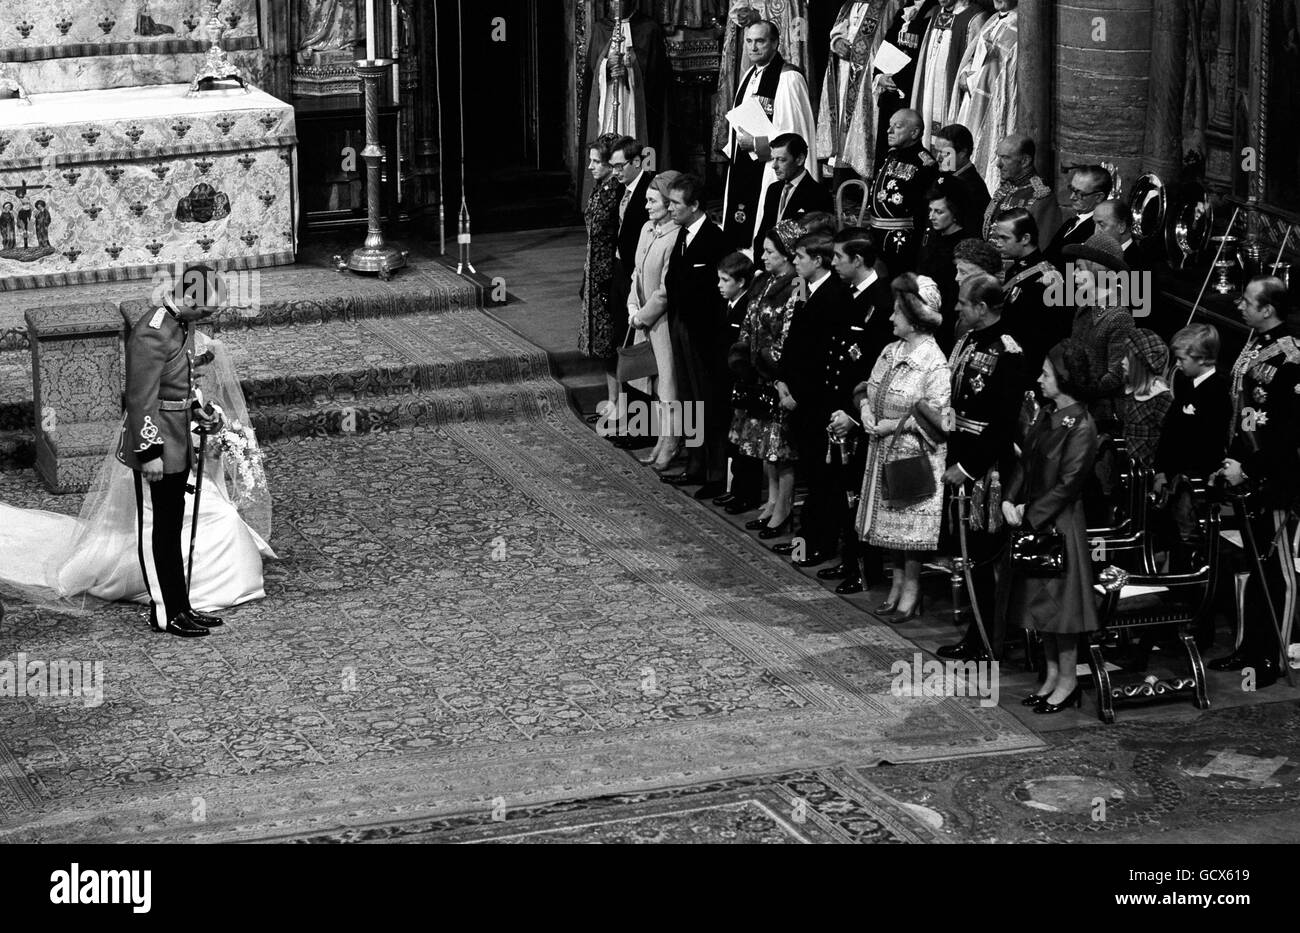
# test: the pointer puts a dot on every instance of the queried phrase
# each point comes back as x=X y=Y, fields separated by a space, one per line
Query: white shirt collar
x=865 y=283
x=813 y=286
x=1126 y=244
x=695 y=228
x=1082 y=217
x=636 y=181
x=1196 y=383
x=798 y=179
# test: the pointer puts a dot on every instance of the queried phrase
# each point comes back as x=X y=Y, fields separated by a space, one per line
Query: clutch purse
x=1038 y=554
x=636 y=361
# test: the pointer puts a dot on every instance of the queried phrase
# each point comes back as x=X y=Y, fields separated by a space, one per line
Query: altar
x=116 y=183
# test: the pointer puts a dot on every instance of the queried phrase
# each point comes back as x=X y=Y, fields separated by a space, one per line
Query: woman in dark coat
x=603 y=326
x=1045 y=494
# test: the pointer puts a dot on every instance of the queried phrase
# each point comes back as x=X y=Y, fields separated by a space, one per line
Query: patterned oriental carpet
x=480 y=609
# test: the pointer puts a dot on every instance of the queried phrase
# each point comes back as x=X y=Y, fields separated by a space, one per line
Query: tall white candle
x=370 y=30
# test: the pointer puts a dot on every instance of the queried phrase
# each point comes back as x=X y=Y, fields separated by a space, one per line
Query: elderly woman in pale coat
x=645 y=314
x=909 y=371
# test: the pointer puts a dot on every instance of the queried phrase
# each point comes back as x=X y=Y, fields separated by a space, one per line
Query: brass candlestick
x=375 y=255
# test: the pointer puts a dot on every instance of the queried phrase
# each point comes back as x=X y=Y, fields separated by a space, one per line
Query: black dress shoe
x=962 y=651
x=1233 y=662
x=849 y=586
x=739 y=506
x=205 y=619
x=183 y=627
x=780 y=530
x=708 y=491
x=815 y=559
x=838 y=572
x=723 y=499
x=785 y=548
x=681 y=479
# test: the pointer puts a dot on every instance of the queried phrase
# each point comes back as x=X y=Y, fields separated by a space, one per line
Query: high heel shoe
x=755 y=524
x=784 y=528
x=667 y=455
x=913 y=613
x=1074 y=699
x=887 y=607
x=1035 y=698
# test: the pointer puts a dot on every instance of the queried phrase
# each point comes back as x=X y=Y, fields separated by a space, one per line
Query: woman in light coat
x=646 y=305
x=910 y=370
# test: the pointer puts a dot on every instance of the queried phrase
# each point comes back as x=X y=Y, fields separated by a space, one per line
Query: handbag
x=908 y=479
x=636 y=361
x=1038 y=554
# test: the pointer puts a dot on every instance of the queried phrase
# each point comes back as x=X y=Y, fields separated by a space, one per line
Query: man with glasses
x=1089 y=186
x=628 y=165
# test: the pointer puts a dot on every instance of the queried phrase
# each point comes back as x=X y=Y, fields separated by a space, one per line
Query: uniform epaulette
x=1010 y=343
x=156 y=321
x=1040 y=190
x=925 y=157
x=1290 y=349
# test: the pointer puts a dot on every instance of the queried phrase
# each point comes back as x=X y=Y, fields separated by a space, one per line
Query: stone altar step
x=454 y=405
x=347 y=361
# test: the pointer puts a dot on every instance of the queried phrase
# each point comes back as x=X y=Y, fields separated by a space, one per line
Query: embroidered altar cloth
x=116 y=183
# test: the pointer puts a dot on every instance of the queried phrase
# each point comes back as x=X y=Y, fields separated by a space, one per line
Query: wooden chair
x=861 y=218
x=1150 y=599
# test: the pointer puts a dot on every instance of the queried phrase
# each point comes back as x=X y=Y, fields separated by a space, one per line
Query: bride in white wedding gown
x=53 y=558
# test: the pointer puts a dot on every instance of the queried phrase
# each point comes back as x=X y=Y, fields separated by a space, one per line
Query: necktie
x=622 y=205
x=785 y=199
x=681 y=241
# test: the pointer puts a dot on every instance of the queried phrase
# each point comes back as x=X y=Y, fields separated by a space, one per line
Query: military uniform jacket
x=1031 y=193
x=1036 y=327
x=987 y=382
x=1266 y=415
x=159 y=397
x=811 y=364
x=898 y=191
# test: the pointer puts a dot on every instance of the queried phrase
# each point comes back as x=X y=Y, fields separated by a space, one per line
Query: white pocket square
x=1189 y=409
x=700 y=265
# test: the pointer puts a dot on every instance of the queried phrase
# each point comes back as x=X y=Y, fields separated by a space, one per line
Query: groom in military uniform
x=156 y=442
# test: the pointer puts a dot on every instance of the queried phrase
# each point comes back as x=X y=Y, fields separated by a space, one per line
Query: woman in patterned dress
x=600 y=332
x=761 y=430
x=646 y=307
x=909 y=371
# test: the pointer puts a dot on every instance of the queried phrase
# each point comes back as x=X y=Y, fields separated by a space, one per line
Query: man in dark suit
x=952 y=147
x=699 y=336
x=811 y=372
x=155 y=442
x=871 y=302
x=735 y=277
x=795 y=192
x=627 y=163
x=1089 y=186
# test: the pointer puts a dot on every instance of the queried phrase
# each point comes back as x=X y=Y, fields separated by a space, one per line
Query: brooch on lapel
x=1068 y=421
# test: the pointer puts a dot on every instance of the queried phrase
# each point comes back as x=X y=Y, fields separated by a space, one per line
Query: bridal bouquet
x=238 y=443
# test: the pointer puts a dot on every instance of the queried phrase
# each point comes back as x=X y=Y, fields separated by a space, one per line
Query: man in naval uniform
x=987 y=380
x=156 y=443
x=1036 y=326
x=899 y=208
x=782 y=92
x=1263 y=460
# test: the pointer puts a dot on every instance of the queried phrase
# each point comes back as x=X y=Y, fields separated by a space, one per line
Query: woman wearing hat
x=1103 y=322
x=911 y=371
x=761 y=430
x=1147 y=397
x=646 y=305
x=1044 y=496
